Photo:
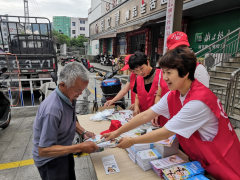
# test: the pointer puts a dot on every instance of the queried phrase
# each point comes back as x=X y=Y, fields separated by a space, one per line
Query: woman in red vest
x=129 y=86
x=196 y=116
x=146 y=85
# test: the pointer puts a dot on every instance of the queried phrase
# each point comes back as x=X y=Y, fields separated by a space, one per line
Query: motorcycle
x=111 y=60
x=110 y=87
x=63 y=60
x=104 y=60
x=97 y=58
x=5 y=105
x=87 y=65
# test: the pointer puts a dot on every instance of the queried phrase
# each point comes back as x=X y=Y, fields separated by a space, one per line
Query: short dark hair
x=137 y=59
x=180 y=59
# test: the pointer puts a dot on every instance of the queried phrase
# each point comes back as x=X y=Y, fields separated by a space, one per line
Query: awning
x=130 y=28
x=106 y=36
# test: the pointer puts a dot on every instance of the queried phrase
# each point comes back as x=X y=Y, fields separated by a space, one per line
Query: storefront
x=132 y=26
x=206 y=30
x=121 y=44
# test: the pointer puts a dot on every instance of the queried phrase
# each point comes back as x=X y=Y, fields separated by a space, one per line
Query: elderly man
x=55 y=125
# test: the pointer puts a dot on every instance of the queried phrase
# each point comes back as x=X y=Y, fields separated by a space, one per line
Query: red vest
x=147 y=99
x=221 y=157
x=162 y=120
x=132 y=83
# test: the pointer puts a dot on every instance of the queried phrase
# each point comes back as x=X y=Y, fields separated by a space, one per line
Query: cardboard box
x=101 y=108
x=166 y=151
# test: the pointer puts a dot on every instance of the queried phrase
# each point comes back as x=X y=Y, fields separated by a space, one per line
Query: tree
x=64 y=39
x=78 y=42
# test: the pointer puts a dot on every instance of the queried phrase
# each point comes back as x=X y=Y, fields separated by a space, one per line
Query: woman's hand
x=132 y=107
x=110 y=135
x=108 y=103
x=124 y=143
x=155 y=122
x=136 y=111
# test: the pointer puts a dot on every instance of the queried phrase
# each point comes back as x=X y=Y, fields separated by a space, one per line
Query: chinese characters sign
x=169 y=22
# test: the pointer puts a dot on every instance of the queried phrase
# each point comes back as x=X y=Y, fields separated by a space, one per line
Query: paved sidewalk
x=16 y=145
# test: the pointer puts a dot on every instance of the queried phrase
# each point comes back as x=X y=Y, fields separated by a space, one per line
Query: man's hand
x=108 y=103
x=136 y=111
x=88 y=147
x=155 y=122
x=88 y=135
x=132 y=107
x=110 y=135
x=124 y=143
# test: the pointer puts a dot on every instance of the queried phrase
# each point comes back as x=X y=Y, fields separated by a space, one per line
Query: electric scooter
x=5 y=105
x=110 y=87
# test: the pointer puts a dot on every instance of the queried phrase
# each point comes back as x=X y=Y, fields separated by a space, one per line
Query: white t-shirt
x=200 y=74
x=194 y=116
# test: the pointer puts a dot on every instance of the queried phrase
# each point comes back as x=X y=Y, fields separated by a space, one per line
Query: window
x=73 y=31
x=82 y=22
x=5 y=34
x=82 y=28
x=82 y=34
x=73 y=23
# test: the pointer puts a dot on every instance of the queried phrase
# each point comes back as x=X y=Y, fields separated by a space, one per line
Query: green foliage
x=64 y=39
x=78 y=42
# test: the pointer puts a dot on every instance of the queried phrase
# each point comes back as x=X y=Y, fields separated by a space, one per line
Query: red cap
x=115 y=124
x=126 y=67
x=176 y=39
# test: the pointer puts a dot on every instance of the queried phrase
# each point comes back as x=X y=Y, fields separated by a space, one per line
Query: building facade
x=71 y=26
x=62 y=24
x=79 y=26
x=127 y=26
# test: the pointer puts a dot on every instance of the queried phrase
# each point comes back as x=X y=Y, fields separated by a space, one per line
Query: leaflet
x=110 y=165
x=167 y=142
x=166 y=162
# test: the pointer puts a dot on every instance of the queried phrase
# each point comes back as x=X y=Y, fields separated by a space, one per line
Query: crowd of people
x=176 y=98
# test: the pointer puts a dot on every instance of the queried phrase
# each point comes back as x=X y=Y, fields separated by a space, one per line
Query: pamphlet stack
x=183 y=171
x=144 y=157
x=160 y=164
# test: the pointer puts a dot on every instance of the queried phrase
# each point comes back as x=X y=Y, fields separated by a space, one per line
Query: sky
x=46 y=8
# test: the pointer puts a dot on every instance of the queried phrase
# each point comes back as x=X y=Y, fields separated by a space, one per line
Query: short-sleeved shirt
x=54 y=124
x=194 y=116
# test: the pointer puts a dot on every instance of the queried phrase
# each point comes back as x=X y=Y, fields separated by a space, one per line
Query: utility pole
x=26 y=14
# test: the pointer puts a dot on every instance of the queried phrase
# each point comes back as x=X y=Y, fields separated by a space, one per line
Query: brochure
x=184 y=171
x=110 y=165
x=167 y=142
x=166 y=162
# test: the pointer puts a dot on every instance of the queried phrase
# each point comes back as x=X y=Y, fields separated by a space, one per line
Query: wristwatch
x=84 y=133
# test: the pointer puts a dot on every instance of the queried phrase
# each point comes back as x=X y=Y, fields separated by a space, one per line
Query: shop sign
x=208 y=36
x=169 y=22
x=198 y=37
x=152 y=5
x=143 y=8
x=117 y=18
x=126 y=13
x=164 y=1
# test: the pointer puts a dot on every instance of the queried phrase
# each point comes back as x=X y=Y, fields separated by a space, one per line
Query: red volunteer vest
x=221 y=157
x=162 y=120
x=132 y=83
x=147 y=99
